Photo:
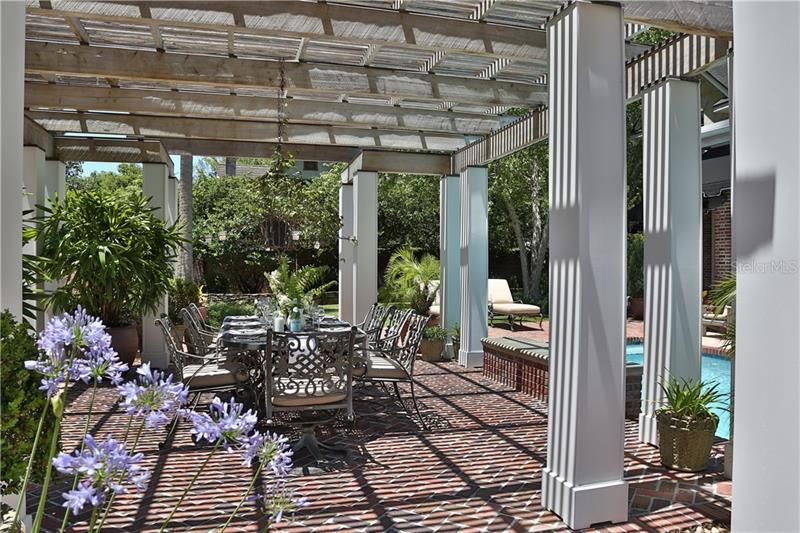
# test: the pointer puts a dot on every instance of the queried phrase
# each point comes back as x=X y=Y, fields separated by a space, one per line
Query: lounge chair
x=715 y=321
x=502 y=303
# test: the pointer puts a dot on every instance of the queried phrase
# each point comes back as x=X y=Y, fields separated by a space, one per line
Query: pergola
x=423 y=86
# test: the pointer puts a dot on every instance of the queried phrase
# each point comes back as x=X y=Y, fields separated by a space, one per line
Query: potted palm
x=432 y=344
x=456 y=336
x=686 y=424
x=111 y=255
x=412 y=282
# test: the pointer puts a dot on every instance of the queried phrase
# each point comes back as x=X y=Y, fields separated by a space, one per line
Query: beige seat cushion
x=200 y=377
x=712 y=317
x=435 y=310
x=516 y=309
x=383 y=367
x=305 y=393
x=499 y=292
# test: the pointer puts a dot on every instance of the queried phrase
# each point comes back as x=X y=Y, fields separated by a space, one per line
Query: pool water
x=714 y=368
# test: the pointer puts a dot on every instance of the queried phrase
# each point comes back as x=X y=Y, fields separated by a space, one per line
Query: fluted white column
x=365 y=225
x=43 y=181
x=155 y=185
x=449 y=255
x=12 y=63
x=583 y=480
x=766 y=233
x=673 y=227
x=474 y=264
x=346 y=253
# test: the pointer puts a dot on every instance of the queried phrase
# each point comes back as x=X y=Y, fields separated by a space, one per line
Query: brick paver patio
x=478 y=468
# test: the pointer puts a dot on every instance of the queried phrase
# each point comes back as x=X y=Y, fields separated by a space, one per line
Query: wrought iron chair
x=197 y=372
x=396 y=364
x=202 y=341
x=375 y=321
x=311 y=373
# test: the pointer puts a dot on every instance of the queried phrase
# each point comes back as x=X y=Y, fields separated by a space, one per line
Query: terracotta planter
x=685 y=444
x=637 y=308
x=179 y=331
x=431 y=350
x=204 y=312
x=125 y=340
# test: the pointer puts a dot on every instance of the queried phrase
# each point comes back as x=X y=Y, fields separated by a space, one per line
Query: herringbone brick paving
x=478 y=468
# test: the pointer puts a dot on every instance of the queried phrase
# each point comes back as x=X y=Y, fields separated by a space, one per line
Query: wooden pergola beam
x=338 y=23
x=117 y=63
x=35 y=135
x=112 y=150
x=218 y=148
x=255 y=108
x=148 y=126
x=397 y=163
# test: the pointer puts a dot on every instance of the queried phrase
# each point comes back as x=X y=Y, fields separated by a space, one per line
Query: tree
x=185 y=265
x=518 y=190
x=408 y=213
x=125 y=182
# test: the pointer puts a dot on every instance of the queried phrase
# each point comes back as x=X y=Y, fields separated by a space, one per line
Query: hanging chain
x=281 y=105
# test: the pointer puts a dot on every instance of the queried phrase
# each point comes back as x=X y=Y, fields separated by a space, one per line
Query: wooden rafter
x=55 y=58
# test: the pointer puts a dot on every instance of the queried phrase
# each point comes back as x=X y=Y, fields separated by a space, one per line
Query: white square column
x=346 y=254
x=365 y=230
x=43 y=181
x=583 y=480
x=766 y=234
x=474 y=264
x=12 y=63
x=155 y=185
x=673 y=244
x=449 y=256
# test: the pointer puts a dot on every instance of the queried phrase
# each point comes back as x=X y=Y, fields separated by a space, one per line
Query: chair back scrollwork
x=305 y=366
x=409 y=345
x=199 y=345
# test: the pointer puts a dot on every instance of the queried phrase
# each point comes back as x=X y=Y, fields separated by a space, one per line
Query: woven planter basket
x=685 y=444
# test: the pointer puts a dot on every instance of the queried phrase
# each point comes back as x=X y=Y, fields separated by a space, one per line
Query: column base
x=728 y=468
x=648 y=429
x=470 y=359
x=449 y=352
x=581 y=507
x=154 y=350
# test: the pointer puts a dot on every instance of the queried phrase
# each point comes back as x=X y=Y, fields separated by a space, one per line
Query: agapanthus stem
x=93 y=520
x=37 y=523
x=244 y=497
x=29 y=468
x=83 y=446
x=107 y=510
x=191 y=484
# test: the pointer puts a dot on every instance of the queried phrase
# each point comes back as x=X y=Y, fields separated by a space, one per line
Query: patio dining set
x=309 y=375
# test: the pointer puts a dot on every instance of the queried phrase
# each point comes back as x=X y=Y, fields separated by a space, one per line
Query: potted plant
x=432 y=344
x=412 y=282
x=686 y=424
x=456 y=337
x=636 y=275
x=182 y=293
x=111 y=255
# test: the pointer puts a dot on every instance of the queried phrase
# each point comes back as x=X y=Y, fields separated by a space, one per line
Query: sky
x=89 y=167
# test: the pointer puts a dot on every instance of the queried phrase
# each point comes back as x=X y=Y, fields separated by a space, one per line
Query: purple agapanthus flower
x=271 y=450
x=225 y=421
x=102 y=468
x=154 y=396
x=75 y=346
x=280 y=499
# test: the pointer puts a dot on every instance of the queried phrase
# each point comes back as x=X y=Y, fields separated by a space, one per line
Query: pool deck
x=634 y=330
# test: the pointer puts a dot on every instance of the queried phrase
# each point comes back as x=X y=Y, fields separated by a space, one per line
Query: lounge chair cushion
x=382 y=367
x=206 y=376
x=516 y=309
x=303 y=393
x=499 y=292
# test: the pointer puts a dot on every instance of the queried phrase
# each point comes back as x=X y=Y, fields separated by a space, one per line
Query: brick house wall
x=717 y=244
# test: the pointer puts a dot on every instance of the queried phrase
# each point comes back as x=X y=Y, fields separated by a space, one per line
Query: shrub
x=218 y=311
x=435 y=333
x=412 y=282
x=21 y=404
x=636 y=265
x=690 y=399
x=182 y=292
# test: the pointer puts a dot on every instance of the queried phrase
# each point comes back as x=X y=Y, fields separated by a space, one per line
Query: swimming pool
x=715 y=368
